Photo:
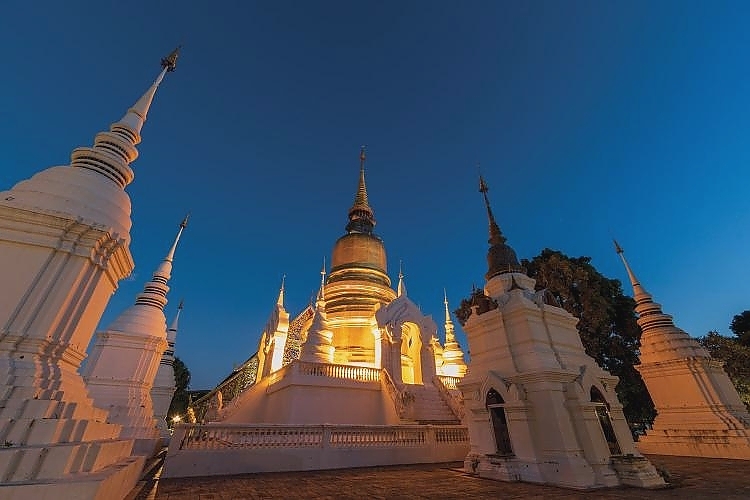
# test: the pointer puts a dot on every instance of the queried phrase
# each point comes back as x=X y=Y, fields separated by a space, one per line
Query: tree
x=741 y=327
x=607 y=322
x=736 y=358
x=180 y=400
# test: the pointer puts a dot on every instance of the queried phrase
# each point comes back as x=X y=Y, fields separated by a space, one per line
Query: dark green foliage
x=607 y=322
x=180 y=400
x=736 y=358
x=741 y=327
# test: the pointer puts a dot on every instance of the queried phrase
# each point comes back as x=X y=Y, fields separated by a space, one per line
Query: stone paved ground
x=693 y=479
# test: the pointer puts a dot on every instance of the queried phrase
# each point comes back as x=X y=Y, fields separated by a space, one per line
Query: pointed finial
x=169 y=63
x=447 y=312
x=501 y=258
x=361 y=217
x=618 y=248
x=401 y=290
x=183 y=225
x=172 y=330
x=181 y=304
x=136 y=115
x=280 y=300
x=321 y=292
x=638 y=291
x=496 y=236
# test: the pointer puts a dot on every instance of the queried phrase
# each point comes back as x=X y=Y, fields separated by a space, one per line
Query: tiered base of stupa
x=55 y=450
x=730 y=440
x=313 y=416
x=699 y=411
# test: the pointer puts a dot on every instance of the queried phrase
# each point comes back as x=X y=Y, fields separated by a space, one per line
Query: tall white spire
x=155 y=291
x=172 y=331
x=113 y=151
x=127 y=355
x=319 y=348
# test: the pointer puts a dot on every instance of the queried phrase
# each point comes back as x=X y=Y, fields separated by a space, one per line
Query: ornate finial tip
x=618 y=248
x=184 y=222
x=170 y=62
x=482 y=185
x=362 y=156
x=179 y=307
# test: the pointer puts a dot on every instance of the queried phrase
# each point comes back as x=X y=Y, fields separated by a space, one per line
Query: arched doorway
x=496 y=406
x=602 y=411
x=411 y=350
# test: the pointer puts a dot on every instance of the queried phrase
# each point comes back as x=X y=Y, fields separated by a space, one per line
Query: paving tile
x=693 y=478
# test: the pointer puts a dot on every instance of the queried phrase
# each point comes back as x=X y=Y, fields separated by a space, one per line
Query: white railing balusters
x=217 y=437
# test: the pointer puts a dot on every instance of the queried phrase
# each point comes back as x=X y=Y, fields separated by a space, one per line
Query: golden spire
x=361 y=216
x=361 y=198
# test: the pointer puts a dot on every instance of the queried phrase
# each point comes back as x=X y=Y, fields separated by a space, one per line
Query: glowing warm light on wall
x=176 y=419
x=452 y=371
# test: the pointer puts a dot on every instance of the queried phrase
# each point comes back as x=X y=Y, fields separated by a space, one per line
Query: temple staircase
x=429 y=406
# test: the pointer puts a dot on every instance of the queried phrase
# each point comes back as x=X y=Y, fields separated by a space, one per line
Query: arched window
x=496 y=407
x=602 y=411
x=411 y=347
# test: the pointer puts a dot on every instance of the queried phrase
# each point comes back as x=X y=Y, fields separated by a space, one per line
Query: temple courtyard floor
x=691 y=478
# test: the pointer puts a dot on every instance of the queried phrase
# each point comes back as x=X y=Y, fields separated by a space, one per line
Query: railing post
x=326 y=441
x=430 y=440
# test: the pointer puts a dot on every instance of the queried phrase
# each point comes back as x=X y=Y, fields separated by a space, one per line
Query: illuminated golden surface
x=359 y=250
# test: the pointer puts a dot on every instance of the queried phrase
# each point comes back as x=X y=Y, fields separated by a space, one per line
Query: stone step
x=38 y=431
x=429 y=406
x=49 y=408
x=111 y=482
x=36 y=463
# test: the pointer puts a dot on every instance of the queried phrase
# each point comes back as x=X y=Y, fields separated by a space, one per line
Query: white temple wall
x=294 y=398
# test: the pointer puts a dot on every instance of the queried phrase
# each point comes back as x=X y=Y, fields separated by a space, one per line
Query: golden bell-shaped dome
x=359 y=250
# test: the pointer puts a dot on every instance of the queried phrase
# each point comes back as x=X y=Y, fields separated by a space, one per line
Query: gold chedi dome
x=359 y=273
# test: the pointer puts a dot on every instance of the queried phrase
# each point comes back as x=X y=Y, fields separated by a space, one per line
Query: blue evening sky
x=591 y=120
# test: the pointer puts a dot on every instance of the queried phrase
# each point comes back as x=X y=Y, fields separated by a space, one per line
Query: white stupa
x=699 y=412
x=126 y=356
x=64 y=246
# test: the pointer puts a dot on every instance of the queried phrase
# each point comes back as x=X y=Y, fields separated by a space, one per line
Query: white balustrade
x=217 y=437
x=360 y=373
x=449 y=382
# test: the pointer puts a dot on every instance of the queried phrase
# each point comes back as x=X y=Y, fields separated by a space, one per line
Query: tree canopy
x=180 y=400
x=736 y=358
x=607 y=322
x=741 y=327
